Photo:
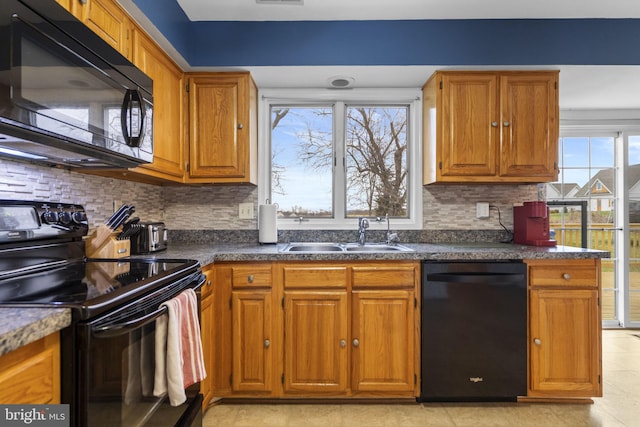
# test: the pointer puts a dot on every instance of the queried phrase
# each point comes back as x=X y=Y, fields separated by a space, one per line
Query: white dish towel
x=179 y=359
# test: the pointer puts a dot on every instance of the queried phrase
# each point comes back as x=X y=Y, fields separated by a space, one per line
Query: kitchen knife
x=123 y=217
x=115 y=216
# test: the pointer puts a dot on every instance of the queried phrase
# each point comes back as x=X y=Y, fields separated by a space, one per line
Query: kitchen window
x=334 y=156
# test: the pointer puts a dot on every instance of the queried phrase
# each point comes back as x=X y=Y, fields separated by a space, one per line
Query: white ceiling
x=581 y=87
x=317 y=10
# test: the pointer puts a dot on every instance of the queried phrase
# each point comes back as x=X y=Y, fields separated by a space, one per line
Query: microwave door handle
x=125 y=109
x=131 y=98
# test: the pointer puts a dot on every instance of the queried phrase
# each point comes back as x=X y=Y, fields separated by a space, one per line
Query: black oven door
x=115 y=374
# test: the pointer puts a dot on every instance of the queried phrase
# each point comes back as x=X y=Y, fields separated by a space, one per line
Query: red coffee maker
x=531 y=224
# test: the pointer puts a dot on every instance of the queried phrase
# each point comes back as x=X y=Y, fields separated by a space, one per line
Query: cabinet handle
x=250 y=278
x=208 y=282
x=494 y=124
x=267 y=343
x=240 y=126
x=356 y=342
x=506 y=124
x=566 y=276
x=537 y=341
x=343 y=343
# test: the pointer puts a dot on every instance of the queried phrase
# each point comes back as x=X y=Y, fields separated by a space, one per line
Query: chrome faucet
x=363 y=224
x=392 y=238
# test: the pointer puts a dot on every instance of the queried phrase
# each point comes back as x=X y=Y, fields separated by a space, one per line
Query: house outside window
x=336 y=155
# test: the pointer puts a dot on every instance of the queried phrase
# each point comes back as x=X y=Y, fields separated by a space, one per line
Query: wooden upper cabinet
x=490 y=126
x=529 y=114
x=73 y=6
x=222 y=128
x=168 y=109
x=107 y=19
x=469 y=105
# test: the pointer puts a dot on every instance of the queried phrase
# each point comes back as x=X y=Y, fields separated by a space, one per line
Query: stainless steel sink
x=343 y=247
x=313 y=247
x=374 y=247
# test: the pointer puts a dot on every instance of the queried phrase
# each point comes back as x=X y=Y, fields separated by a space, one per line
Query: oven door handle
x=113 y=330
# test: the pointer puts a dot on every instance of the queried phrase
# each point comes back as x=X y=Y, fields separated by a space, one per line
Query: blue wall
x=411 y=42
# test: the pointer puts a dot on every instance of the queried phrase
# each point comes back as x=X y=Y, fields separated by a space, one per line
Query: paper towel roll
x=267 y=224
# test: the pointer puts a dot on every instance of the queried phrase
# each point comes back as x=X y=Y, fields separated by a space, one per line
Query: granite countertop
x=22 y=326
x=207 y=254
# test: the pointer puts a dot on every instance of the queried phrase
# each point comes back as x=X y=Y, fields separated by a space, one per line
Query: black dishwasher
x=474 y=331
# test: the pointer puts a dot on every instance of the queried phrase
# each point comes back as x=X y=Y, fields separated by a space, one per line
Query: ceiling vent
x=289 y=2
x=341 y=82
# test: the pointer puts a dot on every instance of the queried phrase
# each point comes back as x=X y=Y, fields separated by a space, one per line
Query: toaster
x=151 y=238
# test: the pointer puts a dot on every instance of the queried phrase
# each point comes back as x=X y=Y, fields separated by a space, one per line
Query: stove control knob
x=64 y=218
x=49 y=217
x=79 y=217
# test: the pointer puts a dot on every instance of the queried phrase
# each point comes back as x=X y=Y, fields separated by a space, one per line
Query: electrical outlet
x=482 y=210
x=245 y=210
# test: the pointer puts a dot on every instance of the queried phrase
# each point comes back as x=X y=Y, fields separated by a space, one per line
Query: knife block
x=102 y=243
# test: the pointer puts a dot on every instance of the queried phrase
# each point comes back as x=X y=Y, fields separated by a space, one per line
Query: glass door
x=583 y=205
x=631 y=293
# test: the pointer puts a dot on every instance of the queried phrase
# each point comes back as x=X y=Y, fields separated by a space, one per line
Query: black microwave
x=67 y=97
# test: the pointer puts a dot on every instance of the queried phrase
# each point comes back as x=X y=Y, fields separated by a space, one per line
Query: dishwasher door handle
x=488 y=278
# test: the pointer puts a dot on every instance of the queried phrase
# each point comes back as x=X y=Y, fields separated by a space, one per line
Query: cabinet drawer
x=251 y=276
x=314 y=277
x=564 y=274
x=387 y=277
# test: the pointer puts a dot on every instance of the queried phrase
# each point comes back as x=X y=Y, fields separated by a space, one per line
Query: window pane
x=602 y=152
x=376 y=162
x=575 y=152
x=302 y=161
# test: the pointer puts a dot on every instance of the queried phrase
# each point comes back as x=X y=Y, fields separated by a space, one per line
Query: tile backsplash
x=445 y=207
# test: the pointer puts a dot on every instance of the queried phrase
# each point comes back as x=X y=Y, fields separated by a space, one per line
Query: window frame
x=401 y=96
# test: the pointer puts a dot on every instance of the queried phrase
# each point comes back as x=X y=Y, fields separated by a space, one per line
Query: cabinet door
x=315 y=349
x=469 y=134
x=565 y=343
x=206 y=333
x=110 y=22
x=73 y=6
x=252 y=335
x=31 y=374
x=383 y=341
x=168 y=141
x=529 y=121
x=222 y=120
x=221 y=354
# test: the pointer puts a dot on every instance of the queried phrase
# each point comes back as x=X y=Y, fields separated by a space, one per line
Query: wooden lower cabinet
x=252 y=333
x=316 y=353
x=565 y=346
x=31 y=374
x=315 y=329
x=382 y=339
x=206 y=331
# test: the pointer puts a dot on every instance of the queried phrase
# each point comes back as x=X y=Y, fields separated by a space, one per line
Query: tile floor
x=619 y=407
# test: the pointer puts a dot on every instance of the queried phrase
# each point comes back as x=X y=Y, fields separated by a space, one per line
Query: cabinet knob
x=566 y=276
x=537 y=341
x=356 y=342
x=250 y=278
x=240 y=126
x=267 y=343
x=343 y=343
x=208 y=282
x=494 y=124
x=506 y=124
